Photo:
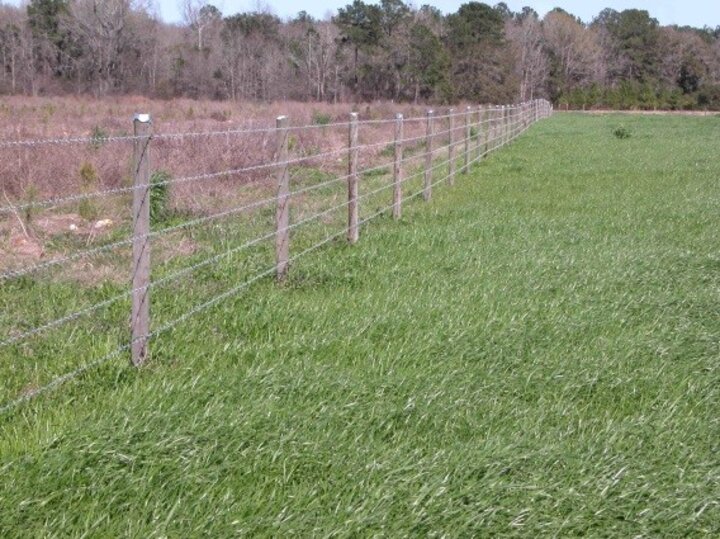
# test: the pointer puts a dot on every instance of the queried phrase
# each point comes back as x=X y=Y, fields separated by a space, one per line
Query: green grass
x=534 y=353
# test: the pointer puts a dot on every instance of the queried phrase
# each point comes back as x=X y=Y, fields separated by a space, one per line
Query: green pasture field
x=535 y=352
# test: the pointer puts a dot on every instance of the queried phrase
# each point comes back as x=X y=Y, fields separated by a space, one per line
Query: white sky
x=697 y=13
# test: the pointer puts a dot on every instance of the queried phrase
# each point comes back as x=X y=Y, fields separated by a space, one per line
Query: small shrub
x=159 y=196
x=89 y=180
x=30 y=197
x=321 y=118
x=622 y=132
x=88 y=175
x=97 y=137
x=388 y=151
x=292 y=142
x=87 y=210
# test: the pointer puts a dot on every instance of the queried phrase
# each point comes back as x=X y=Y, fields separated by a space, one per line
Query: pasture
x=535 y=352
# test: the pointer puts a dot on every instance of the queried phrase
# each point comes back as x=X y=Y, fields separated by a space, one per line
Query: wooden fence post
x=496 y=127
x=513 y=121
x=486 y=130
x=505 y=124
x=500 y=113
x=353 y=232
x=397 y=168
x=466 y=160
x=479 y=141
x=451 y=147
x=140 y=321
x=528 y=114
x=282 y=214
x=427 y=189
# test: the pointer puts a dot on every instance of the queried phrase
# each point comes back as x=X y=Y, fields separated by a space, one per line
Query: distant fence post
x=397 y=167
x=468 y=132
x=486 y=129
x=495 y=128
x=140 y=321
x=451 y=146
x=505 y=111
x=353 y=232
x=427 y=189
x=282 y=214
x=479 y=140
x=528 y=114
x=501 y=126
x=508 y=118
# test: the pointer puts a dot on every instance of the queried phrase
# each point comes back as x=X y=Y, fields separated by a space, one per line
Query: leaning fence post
x=353 y=232
x=427 y=189
x=451 y=147
x=397 y=167
x=140 y=321
x=282 y=213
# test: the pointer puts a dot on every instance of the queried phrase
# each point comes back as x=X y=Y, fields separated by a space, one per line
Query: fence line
x=198 y=134
x=485 y=129
x=57 y=201
x=195 y=222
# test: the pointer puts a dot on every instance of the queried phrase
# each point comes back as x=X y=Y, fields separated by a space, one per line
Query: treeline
x=366 y=51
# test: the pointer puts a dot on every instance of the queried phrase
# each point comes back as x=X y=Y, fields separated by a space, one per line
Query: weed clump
x=621 y=132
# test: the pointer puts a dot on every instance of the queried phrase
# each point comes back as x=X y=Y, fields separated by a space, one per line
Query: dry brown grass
x=37 y=172
x=51 y=170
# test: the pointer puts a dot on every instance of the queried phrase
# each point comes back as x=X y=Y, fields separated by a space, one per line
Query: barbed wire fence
x=441 y=147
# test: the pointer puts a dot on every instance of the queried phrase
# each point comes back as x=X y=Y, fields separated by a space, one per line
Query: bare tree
x=526 y=37
x=575 y=51
x=199 y=16
x=312 y=52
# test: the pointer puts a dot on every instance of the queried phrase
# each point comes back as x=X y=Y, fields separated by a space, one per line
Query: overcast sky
x=697 y=13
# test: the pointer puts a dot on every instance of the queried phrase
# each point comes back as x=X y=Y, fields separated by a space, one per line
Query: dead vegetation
x=52 y=163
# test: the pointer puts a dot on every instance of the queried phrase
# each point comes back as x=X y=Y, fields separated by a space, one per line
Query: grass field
x=535 y=353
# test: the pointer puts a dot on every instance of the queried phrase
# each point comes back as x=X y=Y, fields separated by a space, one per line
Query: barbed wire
x=515 y=130
x=13 y=274
x=95 y=140
x=88 y=310
x=93 y=308
x=57 y=201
